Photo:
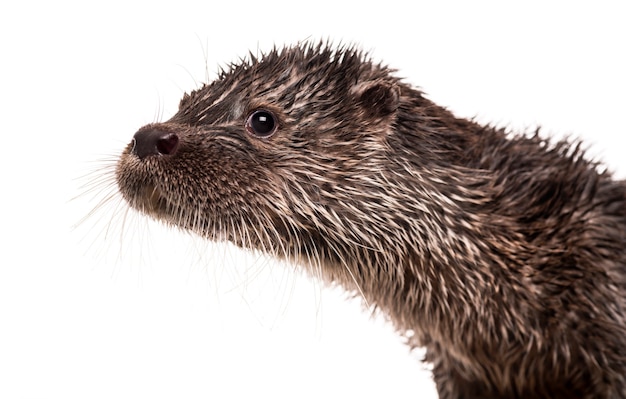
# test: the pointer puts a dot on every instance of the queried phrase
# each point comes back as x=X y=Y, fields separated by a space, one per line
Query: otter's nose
x=153 y=141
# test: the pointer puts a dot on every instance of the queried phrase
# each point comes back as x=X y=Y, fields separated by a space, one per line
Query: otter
x=502 y=254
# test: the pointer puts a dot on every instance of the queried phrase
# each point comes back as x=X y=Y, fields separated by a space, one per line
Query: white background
x=164 y=315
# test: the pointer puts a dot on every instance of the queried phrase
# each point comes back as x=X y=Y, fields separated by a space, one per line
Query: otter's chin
x=151 y=201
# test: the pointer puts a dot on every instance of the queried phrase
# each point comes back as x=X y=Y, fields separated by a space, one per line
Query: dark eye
x=261 y=123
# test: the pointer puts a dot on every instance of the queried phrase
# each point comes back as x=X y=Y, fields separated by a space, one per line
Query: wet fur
x=504 y=256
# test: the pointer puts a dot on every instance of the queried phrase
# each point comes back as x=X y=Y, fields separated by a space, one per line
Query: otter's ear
x=379 y=98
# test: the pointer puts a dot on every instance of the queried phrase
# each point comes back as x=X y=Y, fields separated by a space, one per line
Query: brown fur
x=504 y=256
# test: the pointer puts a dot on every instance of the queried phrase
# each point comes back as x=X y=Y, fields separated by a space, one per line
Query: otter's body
x=504 y=256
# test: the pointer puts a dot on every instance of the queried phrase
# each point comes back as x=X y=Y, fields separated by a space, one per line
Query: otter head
x=279 y=154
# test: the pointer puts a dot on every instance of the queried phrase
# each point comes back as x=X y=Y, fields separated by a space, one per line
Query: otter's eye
x=261 y=123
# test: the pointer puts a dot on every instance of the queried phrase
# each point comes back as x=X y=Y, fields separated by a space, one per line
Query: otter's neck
x=449 y=247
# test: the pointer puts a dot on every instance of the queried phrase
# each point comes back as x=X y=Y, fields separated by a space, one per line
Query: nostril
x=167 y=145
x=154 y=141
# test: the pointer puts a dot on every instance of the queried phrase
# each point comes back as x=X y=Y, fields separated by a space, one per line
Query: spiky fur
x=504 y=256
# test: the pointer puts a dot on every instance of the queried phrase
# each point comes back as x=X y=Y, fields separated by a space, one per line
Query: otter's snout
x=153 y=141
